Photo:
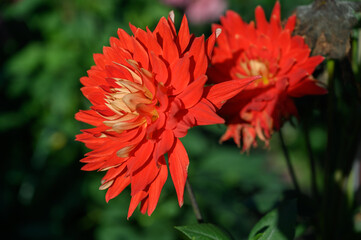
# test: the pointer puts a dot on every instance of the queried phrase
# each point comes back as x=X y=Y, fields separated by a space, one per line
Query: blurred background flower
x=200 y=11
x=266 y=49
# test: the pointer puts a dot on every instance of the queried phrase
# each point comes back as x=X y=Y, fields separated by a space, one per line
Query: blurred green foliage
x=46 y=46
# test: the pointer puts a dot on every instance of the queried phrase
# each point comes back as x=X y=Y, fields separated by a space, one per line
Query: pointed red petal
x=193 y=92
x=198 y=57
x=204 y=113
x=261 y=21
x=125 y=40
x=140 y=54
x=183 y=35
x=219 y=93
x=180 y=74
x=276 y=14
x=135 y=201
x=178 y=167
x=156 y=187
x=144 y=176
x=291 y=22
x=90 y=117
x=118 y=186
x=165 y=143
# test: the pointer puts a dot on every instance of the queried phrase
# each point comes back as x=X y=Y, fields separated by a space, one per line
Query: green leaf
x=278 y=224
x=204 y=231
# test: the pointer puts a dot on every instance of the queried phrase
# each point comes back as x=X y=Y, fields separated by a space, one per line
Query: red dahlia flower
x=147 y=90
x=269 y=50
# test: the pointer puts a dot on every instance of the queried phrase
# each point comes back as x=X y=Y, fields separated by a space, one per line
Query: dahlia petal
x=180 y=81
x=133 y=28
x=115 y=172
x=178 y=166
x=275 y=20
x=198 y=57
x=95 y=91
x=187 y=122
x=87 y=81
x=114 y=42
x=111 y=55
x=286 y=67
x=153 y=45
x=92 y=166
x=291 y=22
x=90 y=138
x=233 y=22
x=91 y=159
x=175 y=114
x=183 y=35
x=219 y=93
x=135 y=201
x=97 y=131
x=125 y=40
x=296 y=76
x=106 y=185
x=133 y=99
x=204 y=114
x=193 y=92
x=129 y=85
x=170 y=50
x=144 y=205
x=125 y=151
x=284 y=42
x=140 y=54
x=211 y=41
x=148 y=83
x=233 y=131
x=112 y=162
x=99 y=60
x=141 y=156
x=170 y=21
x=142 y=37
x=96 y=97
x=157 y=125
x=159 y=68
x=115 y=71
x=165 y=143
x=222 y=42
x=156 y=187
x=309 y=87
x=298 y=42
x=312 y=63
x=89 y=116
x=248 y=138
x=143 y=176
x=104 y=150
x=121 y=126
x=120 y=183
x=261 y=21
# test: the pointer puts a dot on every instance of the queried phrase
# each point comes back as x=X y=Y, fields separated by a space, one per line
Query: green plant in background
x=47 y=45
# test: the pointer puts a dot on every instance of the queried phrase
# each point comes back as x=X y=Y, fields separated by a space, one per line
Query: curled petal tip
x=171 y=15
x=218 y=32
x=106 y=185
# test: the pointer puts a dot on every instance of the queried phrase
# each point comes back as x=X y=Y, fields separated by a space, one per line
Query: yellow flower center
x=132 y=104
x=255 y=67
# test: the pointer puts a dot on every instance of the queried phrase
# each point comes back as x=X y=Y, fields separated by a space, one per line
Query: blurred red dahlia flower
x=269 y=50
x=147 y=90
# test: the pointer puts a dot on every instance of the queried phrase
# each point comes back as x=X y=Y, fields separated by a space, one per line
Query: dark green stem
x=194 y=203
x=289 y=164
x=314 y=188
